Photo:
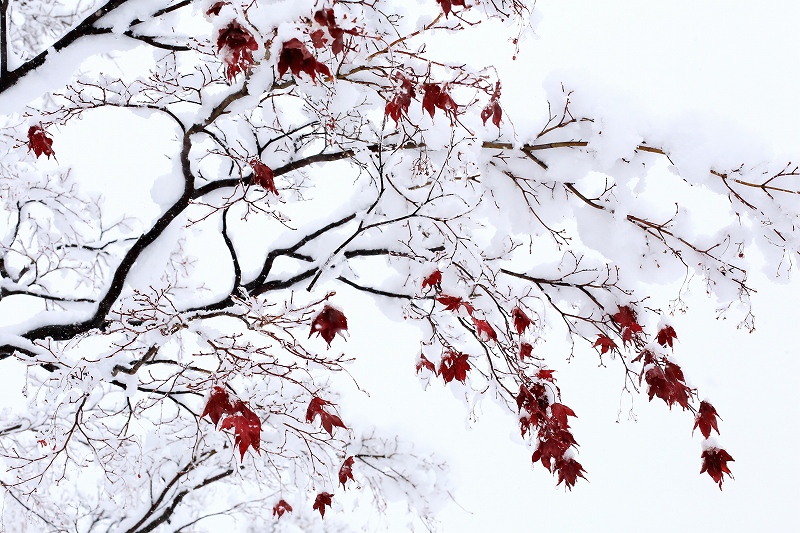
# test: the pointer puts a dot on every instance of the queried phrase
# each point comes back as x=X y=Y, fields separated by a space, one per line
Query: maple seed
x=322 y=499
x=328 y=323
x=280 y=508
x=40 y=142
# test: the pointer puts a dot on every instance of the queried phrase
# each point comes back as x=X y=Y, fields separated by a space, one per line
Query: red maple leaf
x=665 y=336
x=328 y=323
x=296 y=57
x=238 y=45
x=328 y=420
x=605 y=343
x=326 y=18
x=569 y=470
x=216 y=8
x=667 y=385
x=425 y=363
x=493 y=109
x=436 y=96
x=318 y=38
x=626 y=318
x=245 y=423
x=40 y=142
x=322 y=499
x=484 y=328
x=452 y=303
x=521 y=320
x=715 y=462
x=404 y=93
x=246 y=428
x=446 y=5
x=525 y=350
x=263 y=176
x=433 y=280
x=545 y=374
x=454 y=365
x=280 y=508
x=560 y=413
x=346 y=472
x=218 y=404
x=706 y=419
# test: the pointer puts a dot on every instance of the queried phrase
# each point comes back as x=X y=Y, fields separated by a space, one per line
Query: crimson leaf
x=322 y=499
x=328 y=323
x=280 y=508
x=715 y=462
x=346 y=471
x=40 y=142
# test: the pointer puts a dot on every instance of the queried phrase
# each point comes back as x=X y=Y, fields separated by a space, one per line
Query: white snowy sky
x=730 y=64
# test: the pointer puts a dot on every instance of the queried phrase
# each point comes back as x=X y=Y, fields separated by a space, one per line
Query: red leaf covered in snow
x=263 y=176
x=560 y=413
x=667 y=385
x=246 y=428
x=328 y=420
x=425 y=363
x=452 y=303
x=569 y=470
x=296 y=57
x=237 y=45
x=40 y=142
x=484 y=328
x=665 y=336
x=493 y=109
x=322 y=499
x=546 y=375
x=245 y=423
x=626 y=318
x=218 y=404
x=404 y=93
x=605 y=343
x=280 y=508
x=706 y=419
x=433 y=280
x=715 y=462
x=318 y=39
x=521 y=320
x=454 y=365
x=346 y=471
x=436 y=96
x=326 y=18
x=525 y=350
x=328 y=323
